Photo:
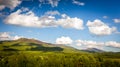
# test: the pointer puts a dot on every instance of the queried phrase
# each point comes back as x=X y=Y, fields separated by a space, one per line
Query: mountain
x=93 y=50
x=24 y=44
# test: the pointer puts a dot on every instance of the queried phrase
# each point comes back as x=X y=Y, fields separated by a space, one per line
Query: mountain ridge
x=93 y=50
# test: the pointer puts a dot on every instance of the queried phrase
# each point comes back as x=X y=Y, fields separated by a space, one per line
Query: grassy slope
x=33 y=45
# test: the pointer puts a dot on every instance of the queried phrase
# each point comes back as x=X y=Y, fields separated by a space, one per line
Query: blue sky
x=78 y=23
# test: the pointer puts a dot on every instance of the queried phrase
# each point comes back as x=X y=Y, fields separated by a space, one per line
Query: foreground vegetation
x=31 y=53
x=57 y=59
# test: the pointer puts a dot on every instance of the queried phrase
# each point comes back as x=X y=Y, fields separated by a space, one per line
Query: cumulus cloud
x=64 y=40
x=113 y=44
x=99 y=28
x=116 y=20
x=7 y=36
x=84 y=44
x=68 y=22
x=53 y=3
x=89 y=44
x=29 y=19
x=94 y=44
x=9 y=4
x=78 y=3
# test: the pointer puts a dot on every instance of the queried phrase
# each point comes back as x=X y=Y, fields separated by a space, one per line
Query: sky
x=78 y=23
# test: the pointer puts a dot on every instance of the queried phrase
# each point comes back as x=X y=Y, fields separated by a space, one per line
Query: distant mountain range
x=93 y=50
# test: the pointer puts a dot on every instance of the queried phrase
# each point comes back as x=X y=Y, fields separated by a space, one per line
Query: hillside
x=25 y=44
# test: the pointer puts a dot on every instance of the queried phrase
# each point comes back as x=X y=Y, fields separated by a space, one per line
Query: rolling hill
x=24 y=44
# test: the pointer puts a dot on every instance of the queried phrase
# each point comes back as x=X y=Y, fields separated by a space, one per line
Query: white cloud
x=94 y=44
x=64 y=16
x=78 y=3
x=29 y=19
x=71 y=22
x=113 y=44
x=7 y=36
x=53 y=3
x=99 y=28
x=64 y=40
x=116 y=20
x=89 y=44
x=9 y=4
x=16 y=37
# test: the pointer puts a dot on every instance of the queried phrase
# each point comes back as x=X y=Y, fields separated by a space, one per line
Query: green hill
x=25 y=44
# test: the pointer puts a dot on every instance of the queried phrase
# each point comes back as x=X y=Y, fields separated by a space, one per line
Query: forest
x=58 y=59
